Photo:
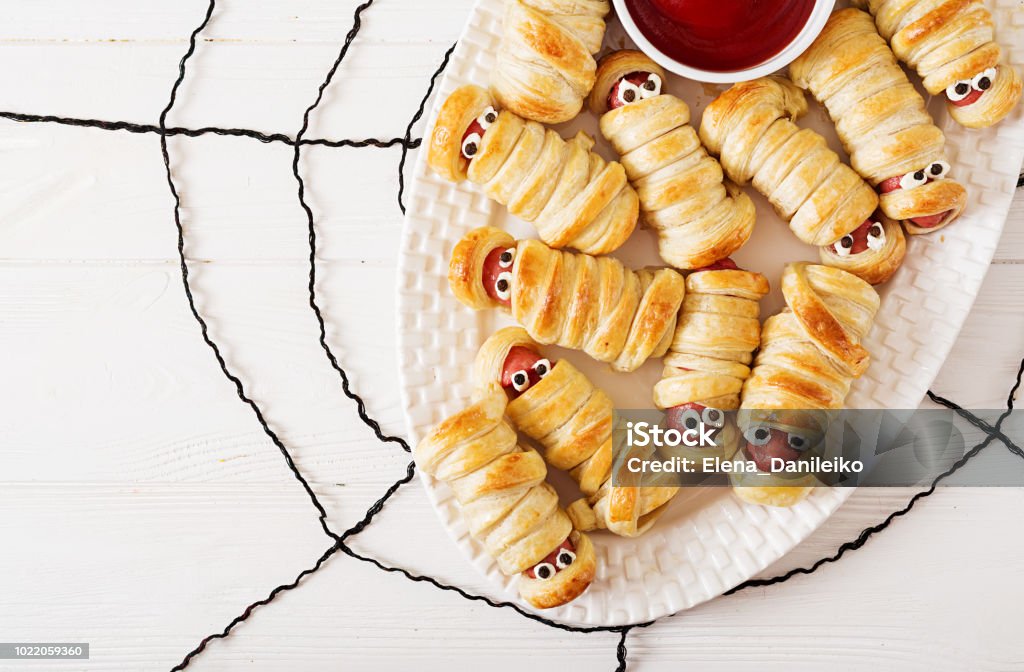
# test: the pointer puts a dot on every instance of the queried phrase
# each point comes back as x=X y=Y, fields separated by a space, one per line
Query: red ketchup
x=720 y=35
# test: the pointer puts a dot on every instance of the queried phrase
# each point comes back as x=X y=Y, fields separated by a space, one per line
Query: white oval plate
x=708 y=541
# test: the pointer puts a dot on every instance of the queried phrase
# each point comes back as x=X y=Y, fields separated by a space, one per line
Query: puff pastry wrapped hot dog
x=573 y=196
x=509 y=507
x=557 y=406
x=545 y=62
x=593 y=304
x=711 y=351
x=951 y=44
x=699 y=217
x=810 y=354
x=881 y=121
x=750 y=128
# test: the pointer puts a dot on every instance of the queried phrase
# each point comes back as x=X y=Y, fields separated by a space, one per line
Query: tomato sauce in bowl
x=720 y=35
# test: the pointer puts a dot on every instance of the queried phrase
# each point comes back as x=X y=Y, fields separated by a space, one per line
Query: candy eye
x=652 y=87
x=913 y=179
x=957 y=91
x=938 y=170
x=470 y=145
x=758 y=436
x=564 y=558
x=544 y=571
x=983 y=80
x=843 y=247
x=507 y=257
x=542 y=367
x=520 y=380
x=797 y=442
x=876 y=236
x=713 y=417
x=628 y=92
x=690 y=418
x=503 y=285
x=488 y=117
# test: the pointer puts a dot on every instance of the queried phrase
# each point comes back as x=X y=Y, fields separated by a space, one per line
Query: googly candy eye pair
x=521 y=378
x=981 y=82
x=471 y=143
x=761 y=436
x=691 y=418
x=545 y=570
x=874 y=238
x=935 y=171
x=630 y=92
x=503 y=283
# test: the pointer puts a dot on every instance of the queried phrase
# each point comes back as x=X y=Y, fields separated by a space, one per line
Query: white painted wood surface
x=141 y=507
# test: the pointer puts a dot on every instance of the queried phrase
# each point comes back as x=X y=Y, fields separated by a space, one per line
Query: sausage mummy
x=573 y=196
x=810 y=354
x=593 y=304
x=716 y=335
x=750 y=128
x=699 y=218
x=881 y=121
x=556 y=405
x=508 y=505
x=545 y=64
x=951 y=45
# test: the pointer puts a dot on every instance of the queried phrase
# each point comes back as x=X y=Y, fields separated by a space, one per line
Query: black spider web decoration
x=339 y=541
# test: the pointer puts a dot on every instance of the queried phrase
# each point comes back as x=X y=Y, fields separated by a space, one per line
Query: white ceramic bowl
x=819 y=15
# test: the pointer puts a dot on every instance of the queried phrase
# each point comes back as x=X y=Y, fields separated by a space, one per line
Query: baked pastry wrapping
x=709 y=358
x=699 y=217
x=951 y=45
x=882 y=121
x=545 y=64
x=571 y=195
x=557 y=406
x=750 y=128
x=594 y=304
x=508 y=505
x=810 y=354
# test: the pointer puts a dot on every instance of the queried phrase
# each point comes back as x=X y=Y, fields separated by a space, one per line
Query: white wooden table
x=142 y=508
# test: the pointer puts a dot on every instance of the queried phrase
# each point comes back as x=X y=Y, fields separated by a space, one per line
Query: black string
x=406 y=143
x=620 y=652
x=203 y=327
x=244 y=616
x=412 y=122
x=345 y=385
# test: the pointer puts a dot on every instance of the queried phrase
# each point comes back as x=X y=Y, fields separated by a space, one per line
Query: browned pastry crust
x=545 y=65
x=750 y=128
x=699 y=217
x=716 y=335
x=509 y=507
x=879 y=116
x=572 y=420
x=593 y=304
x=573 y=196
x=946 y=42
x=810 y=354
